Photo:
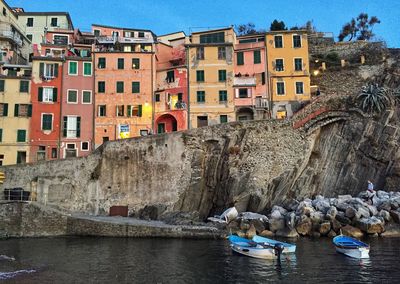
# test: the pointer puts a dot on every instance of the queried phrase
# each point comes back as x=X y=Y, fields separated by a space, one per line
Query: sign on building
x=124 y=131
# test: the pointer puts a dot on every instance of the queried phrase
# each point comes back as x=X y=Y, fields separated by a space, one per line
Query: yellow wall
x=10 y=124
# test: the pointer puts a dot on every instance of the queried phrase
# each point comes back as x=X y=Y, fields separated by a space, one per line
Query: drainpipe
x=189 y=124
x=268 y=79
x=61 y=103
x=94 y=102
x=152 y=93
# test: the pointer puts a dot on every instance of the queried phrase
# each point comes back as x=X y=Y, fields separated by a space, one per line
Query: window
x=54 y=22
x=135 y=87
x=4 y=11
x=72 y=96
x=200 y=53
x=72 y=126
x=96 y=33
x=279 y=65
x=101 y=111
x=87 y=68
x=120 y=63
x=21 y=157
x=30 y=37
x=135 y=63
x=115 y=34
x=85 y=146
x=73 y=68
x=86 y=97
x=213 y=38
x=296 y=41
x=298 y=64
x=47 y=94
x=157 y=97
x=1 y=138
x=60 y=39
x=280 y=88
x=202 y=121
x=222 y=75
x=3 y=109
x=222 y=53
x=120 y=87
x=201 y=96
x=2 y=83
x=21 y=135
x=48 y=71
x=170 y=76
x=23 y=110
x=101 y=87
x=257 y=56
x=299 y=88
x=101 y=63
x=223 y=96
x=223 y=118
x=134 y=111
x=141 y=34
x=200 y=75
x=263 y=78
x=54 y=153
x=278 y=39
x=41 y=153
x=243 y=93
x=29 y=22
x=119 y=110
x=24 y=86
x=239 y=58
x=47 y=121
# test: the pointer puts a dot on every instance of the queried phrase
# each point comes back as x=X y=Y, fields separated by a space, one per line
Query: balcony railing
x=261 y=103
x=13 y=36
x=244 y=81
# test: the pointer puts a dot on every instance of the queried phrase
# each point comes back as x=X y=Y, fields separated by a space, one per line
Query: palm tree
x=374 y=98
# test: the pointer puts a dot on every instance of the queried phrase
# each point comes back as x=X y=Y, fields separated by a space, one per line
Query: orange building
x=124 y=62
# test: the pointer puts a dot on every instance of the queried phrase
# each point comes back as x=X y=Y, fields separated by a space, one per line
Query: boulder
x=304 y=207
x=153 y=212
x=363 y=212
x=324 y=228
x=276 y=214
x=385 y=205
x=304 y=226
x=241 y=234
x=385 y=215
x=253 y=216
x=342 y=218
x=266 y=233
x=251 y=232
x=291 y=205
x=276 y=224
x=352 y=232
x=350 y=212
x=287 y=233
x=258 y=224
x=364 y=195
x=234 y=225
x=343 y=198
x=315 y=234
x=395 y=215
x=244 y=224
x=281 y=210
x=342 y=206
x=382 y=194
x=336 y=225
x=332 y=234
x=331 y=213
x=321 y=204
x=290 y=220
x=372 y=210
x=370 y=225
x=394 y=204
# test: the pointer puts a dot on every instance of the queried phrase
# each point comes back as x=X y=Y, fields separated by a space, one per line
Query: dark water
x=115 y=260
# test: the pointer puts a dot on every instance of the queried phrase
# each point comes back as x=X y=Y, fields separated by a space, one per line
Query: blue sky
x=163 y=16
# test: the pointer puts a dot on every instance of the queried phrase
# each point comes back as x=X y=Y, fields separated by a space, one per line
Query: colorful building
x=288 y=71
x=170 y=99
x=249 y=82
x=125 y=74
x=210 y=64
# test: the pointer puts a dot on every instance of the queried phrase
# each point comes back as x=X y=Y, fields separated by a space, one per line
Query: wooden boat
x=351 y=247
x=251 y=248
x=287 y=248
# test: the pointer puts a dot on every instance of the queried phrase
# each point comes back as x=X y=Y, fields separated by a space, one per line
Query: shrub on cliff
x=374 y=98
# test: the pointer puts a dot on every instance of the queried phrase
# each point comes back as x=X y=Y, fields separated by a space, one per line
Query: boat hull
x=351 y=247
x=254 y=252
x=354 y=253
x=287 y=248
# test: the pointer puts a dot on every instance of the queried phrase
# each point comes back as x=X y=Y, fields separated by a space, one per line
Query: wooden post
x=323 y=66
x=362 y=59
x=343 y=62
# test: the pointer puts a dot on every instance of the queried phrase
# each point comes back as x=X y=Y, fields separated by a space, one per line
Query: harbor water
x=120 y=260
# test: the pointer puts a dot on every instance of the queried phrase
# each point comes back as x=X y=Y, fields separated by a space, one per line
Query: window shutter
x=140 y=111
x=16 y=109
x=41 y=69
x=236 y=93
x=129 y=111
x=54 y=94
x=249 y=93
x=5 y=109
x=65 y=126
x=78 y=126
x=40 y=94
x=56 y=70
x=29 y=110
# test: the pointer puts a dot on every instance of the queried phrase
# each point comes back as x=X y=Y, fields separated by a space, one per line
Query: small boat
x=253 y=249
x=351 y=247
x=287 y=248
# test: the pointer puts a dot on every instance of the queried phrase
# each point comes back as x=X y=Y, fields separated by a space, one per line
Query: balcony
x=176 y=106
x=261 y=103
x=12 y=36
x=244 y=81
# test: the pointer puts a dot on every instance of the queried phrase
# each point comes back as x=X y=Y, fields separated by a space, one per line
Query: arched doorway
x=166 y=123
x=244 y=113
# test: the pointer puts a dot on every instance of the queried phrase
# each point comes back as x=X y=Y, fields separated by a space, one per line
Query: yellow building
x=15 y=113
x=288 y=71
x=210 y=64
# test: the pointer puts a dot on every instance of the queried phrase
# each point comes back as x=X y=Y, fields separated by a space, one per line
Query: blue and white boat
x=287 y=248
x=351 y=247
x=251 y=248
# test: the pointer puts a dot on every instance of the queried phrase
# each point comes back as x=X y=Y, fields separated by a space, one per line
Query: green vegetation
x=278 y=26
x=359 y=28
x=374 y=98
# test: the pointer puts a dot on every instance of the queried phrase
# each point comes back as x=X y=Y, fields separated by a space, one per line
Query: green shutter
x=78 y=126
x=5 y=109
x=135 y=87
x=16 y=110
x=140 y=111
x=240 y=59
x=41 y=69
x=21 y=135
x=56 y=70
x=1 y=135
x=65 y=126
x=54 y=94
x=129 y=111
x=29 y=110
x=40 y=94
x=135 y=63
x=257 y=56
x=2 y=85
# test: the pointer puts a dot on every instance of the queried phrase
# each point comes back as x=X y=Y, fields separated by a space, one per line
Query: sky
x=162 y=16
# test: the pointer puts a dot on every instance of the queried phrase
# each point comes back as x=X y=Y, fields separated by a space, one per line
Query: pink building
x=250 y=85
